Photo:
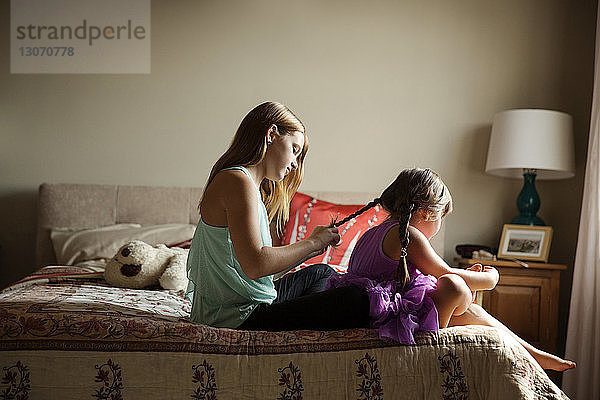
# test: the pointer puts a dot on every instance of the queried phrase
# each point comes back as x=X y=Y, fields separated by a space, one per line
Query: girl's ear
x=432 y=215
x=419 y=214
x=271 y=133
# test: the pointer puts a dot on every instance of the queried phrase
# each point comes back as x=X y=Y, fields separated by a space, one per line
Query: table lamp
x=531 y=143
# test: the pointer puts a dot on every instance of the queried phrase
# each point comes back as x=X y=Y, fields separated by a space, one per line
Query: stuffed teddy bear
x=138 y=264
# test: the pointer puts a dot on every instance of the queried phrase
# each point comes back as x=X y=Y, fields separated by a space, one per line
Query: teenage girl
x=232 y=260
x=410 y=287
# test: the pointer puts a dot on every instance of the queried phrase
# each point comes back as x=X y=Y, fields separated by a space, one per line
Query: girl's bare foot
x=476 y=315
x=549 y=361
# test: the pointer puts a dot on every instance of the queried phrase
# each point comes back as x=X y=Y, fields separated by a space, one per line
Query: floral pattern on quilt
x=291 y=380
x=370 y=387
x=89 y=321
x=527 y=371
x=16 y=379
x=99 y=300
x=454 y=385
x=204 y=375
x=110 y=375
x=97 y=316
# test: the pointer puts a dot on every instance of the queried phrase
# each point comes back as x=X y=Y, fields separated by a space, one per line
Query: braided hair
x=355 y=214
x=414 y=189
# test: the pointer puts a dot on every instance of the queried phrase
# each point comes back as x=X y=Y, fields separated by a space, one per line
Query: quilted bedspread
x=66 y=334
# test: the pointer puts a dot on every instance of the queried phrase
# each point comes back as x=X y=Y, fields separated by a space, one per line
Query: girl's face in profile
x=428 y=224
x=282 y=155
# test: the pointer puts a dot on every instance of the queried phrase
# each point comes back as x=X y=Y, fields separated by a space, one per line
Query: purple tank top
x=396 y=312
x=368 y=259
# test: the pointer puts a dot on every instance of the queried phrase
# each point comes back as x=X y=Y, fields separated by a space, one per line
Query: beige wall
x=380 y=85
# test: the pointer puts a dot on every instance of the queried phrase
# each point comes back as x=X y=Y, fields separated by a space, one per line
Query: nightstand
x=525 y=299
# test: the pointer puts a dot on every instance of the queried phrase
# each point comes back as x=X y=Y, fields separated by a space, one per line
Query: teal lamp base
x=527 y=220
x=528 y=202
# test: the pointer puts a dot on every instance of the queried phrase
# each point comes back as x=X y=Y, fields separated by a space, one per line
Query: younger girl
x=410 y=287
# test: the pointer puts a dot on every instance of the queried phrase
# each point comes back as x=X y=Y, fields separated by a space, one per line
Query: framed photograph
x=525 y=242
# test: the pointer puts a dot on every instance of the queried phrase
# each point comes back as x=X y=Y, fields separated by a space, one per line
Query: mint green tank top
x=220 y=292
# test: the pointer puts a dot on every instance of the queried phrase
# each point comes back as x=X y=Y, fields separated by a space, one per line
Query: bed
x=66 y=334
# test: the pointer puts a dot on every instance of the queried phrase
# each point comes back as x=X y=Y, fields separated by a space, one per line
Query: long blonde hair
x=248 y=148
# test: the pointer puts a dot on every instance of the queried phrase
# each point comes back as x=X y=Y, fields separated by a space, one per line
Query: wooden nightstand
x=525 y=299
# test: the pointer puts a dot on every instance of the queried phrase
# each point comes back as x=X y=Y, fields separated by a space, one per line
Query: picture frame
x=525 y=242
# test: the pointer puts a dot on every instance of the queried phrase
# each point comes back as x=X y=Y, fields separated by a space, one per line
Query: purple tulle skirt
x=396 y=314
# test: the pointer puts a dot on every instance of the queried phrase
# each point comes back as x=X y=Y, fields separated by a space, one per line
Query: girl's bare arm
x=421 y=254
x=238 y=196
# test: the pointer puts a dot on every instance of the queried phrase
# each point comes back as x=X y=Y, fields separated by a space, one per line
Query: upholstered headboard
x=89 y=205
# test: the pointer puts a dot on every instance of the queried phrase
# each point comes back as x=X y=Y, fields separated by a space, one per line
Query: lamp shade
x=531 y=139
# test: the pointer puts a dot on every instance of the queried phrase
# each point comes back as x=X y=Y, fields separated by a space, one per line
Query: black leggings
x=301 y=304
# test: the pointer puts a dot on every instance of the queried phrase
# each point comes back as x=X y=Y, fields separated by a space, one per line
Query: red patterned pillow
x=307 y=212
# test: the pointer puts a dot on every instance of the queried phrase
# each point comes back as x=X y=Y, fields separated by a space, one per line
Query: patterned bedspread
x=64 y=333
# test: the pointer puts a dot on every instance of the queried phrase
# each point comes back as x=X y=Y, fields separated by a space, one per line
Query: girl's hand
x=476 y=268
x=323 y=236
x=493 y=273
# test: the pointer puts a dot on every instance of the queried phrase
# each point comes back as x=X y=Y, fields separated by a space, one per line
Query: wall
x=380 y=85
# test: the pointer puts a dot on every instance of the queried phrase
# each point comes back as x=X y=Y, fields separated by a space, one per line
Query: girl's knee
x=455 y=289
x=453 y=283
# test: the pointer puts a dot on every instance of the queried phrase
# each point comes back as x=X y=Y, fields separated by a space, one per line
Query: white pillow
x=72 y=247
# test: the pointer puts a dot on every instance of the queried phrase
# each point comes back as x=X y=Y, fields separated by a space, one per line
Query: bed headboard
x=89 y=205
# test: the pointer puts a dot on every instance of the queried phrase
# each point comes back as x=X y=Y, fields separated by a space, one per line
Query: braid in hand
x=355 y=214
